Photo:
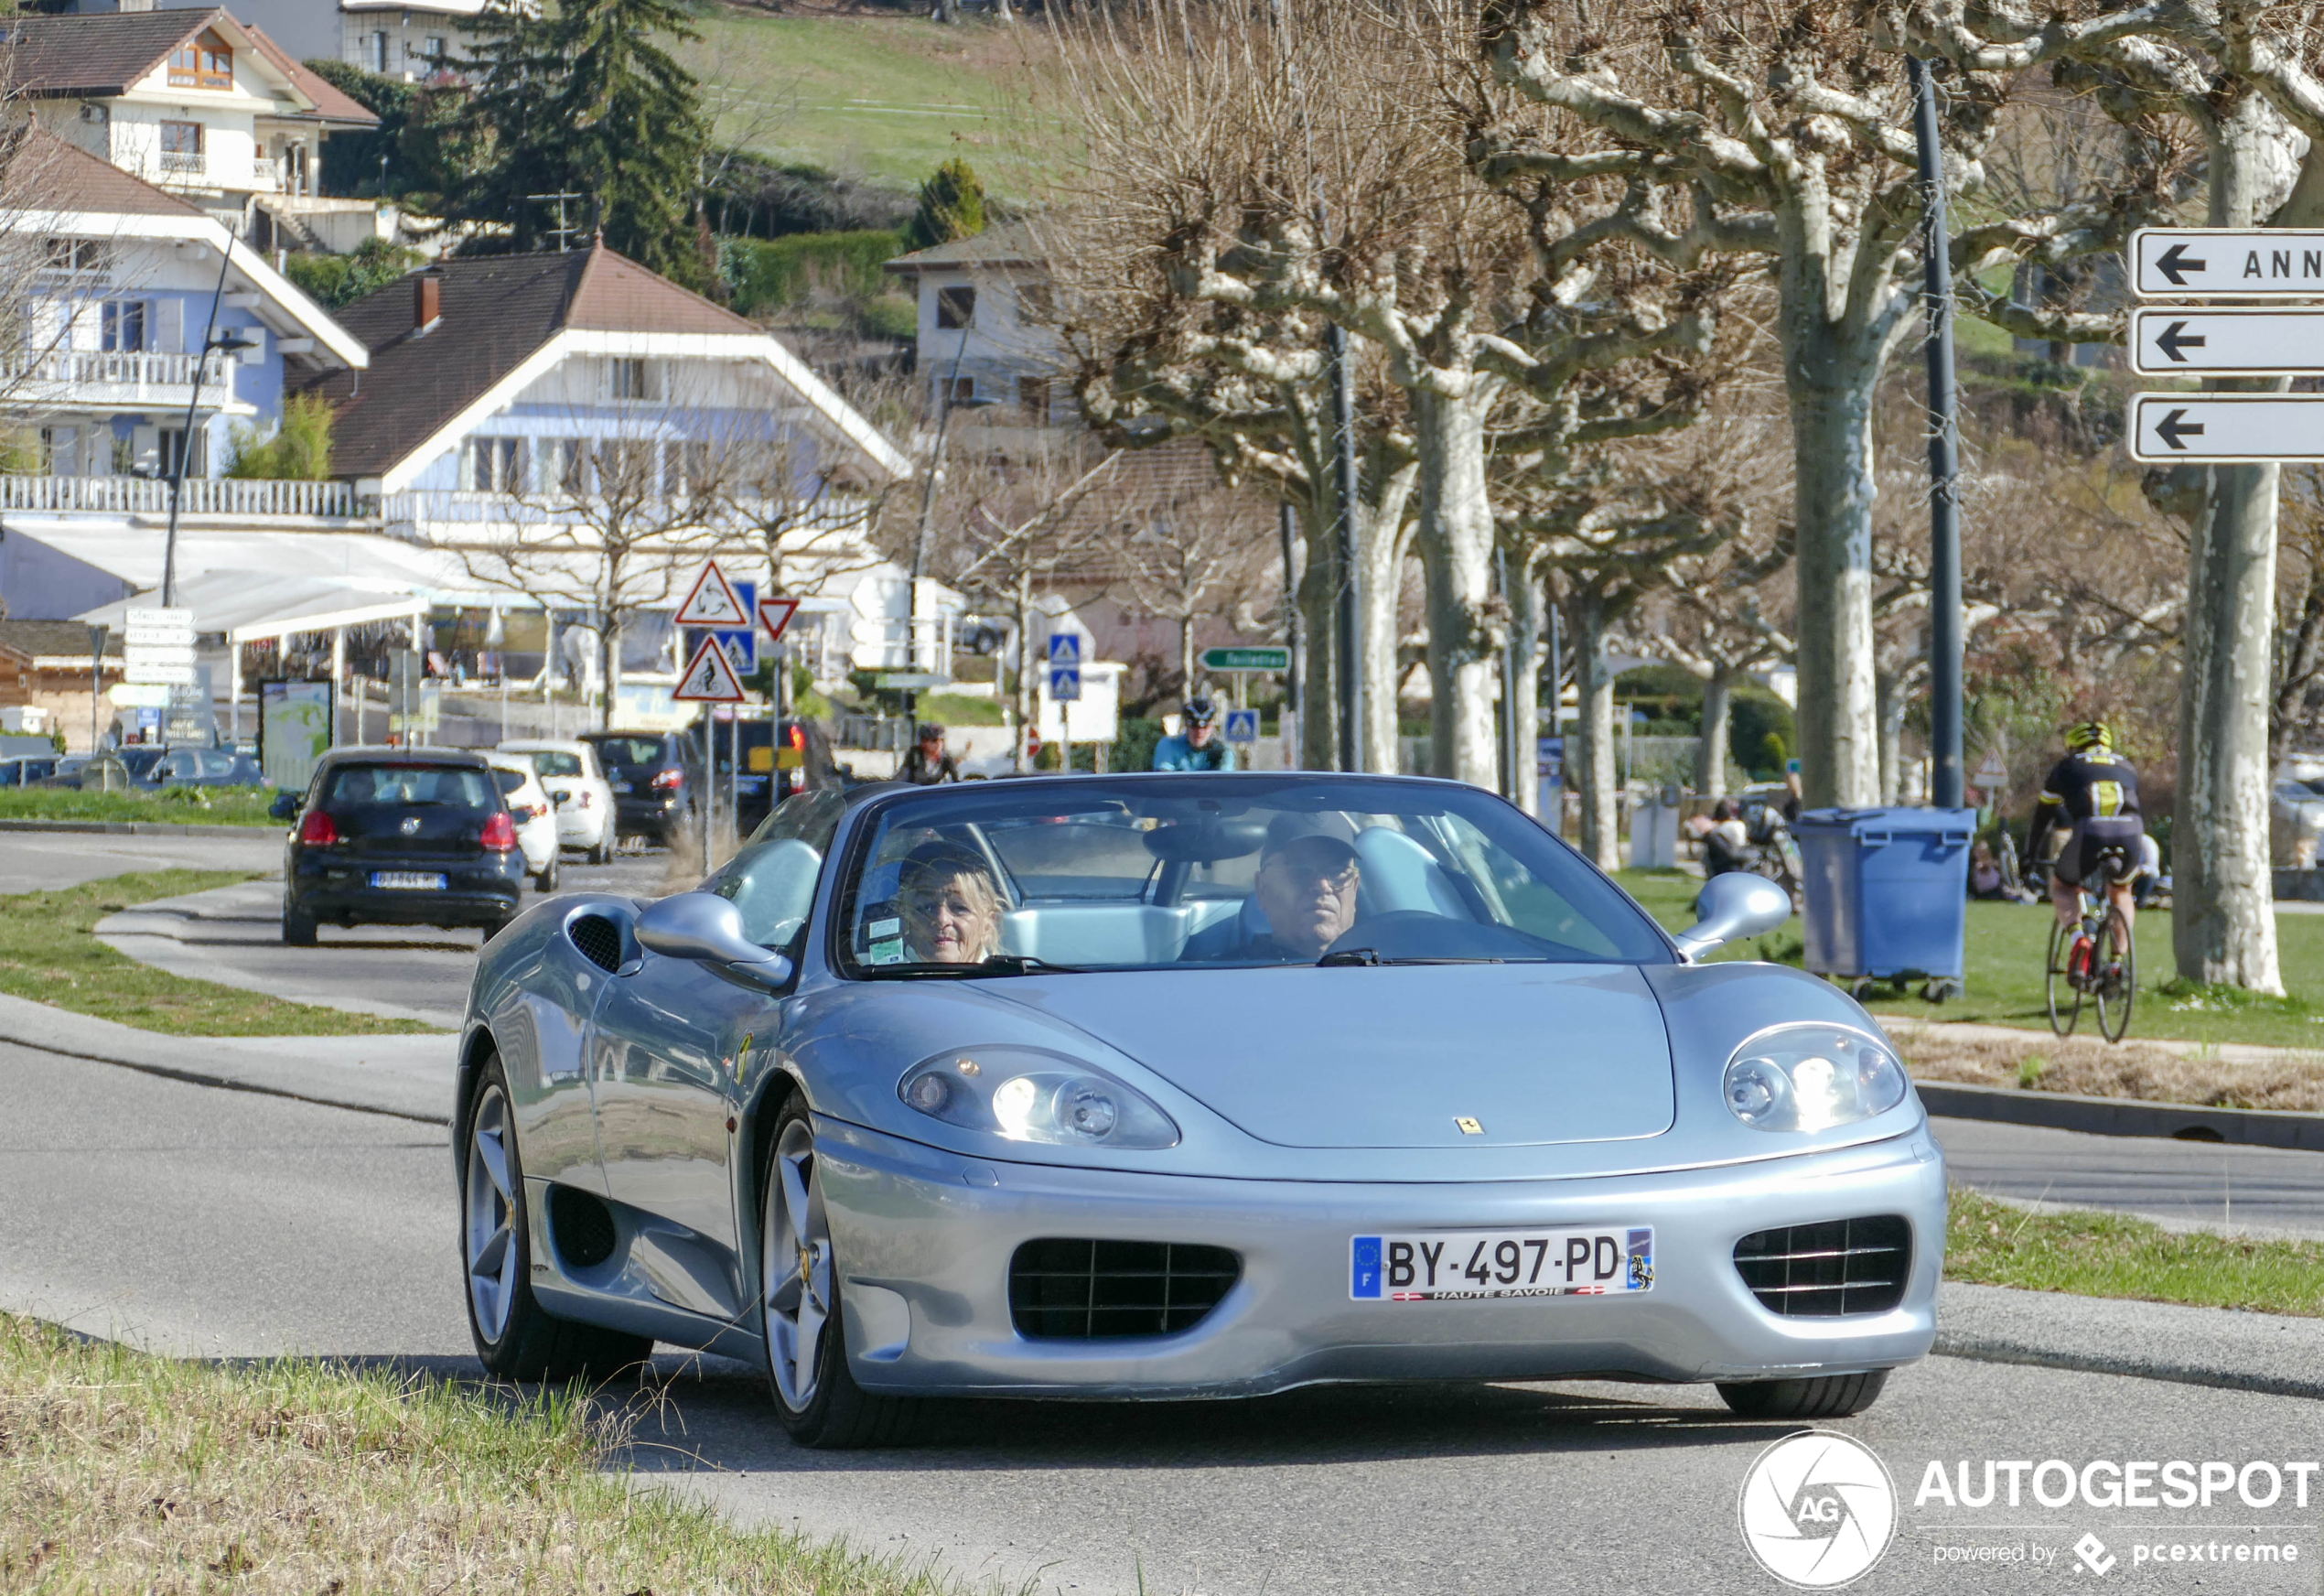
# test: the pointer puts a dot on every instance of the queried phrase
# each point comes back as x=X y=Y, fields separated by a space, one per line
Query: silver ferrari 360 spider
x=1182 y=1085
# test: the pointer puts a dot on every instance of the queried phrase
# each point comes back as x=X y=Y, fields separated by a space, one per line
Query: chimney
x=427 y=300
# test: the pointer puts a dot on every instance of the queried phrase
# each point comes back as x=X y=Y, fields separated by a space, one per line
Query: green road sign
x=1247 y=659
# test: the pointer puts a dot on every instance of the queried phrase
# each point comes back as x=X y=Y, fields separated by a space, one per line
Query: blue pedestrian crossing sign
x=1065 y=667
x=1065 y=649
x=1242 y=726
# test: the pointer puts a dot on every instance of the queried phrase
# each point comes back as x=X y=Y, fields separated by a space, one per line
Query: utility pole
x=945 y=404
x=1945 y=784
x=1286 y=525
x=563 y=232
x=233 y=343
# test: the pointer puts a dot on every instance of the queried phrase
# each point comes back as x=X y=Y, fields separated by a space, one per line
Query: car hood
x=1391 y=1056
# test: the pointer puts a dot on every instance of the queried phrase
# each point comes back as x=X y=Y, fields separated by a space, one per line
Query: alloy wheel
x=490 y=1216
x=796 y=1267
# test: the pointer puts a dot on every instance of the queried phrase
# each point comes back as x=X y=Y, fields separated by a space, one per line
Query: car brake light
x=798 y=736
x=499 y=833
x=669 y=778
x=317 y=830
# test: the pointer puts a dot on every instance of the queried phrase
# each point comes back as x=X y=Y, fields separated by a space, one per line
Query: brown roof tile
x=67 y=178
x=52 y=639
x=497 y=310
x=102 y=53
x=332 y=103
x=1003 y=243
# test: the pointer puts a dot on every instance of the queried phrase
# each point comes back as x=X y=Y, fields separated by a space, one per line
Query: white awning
x=254 y=606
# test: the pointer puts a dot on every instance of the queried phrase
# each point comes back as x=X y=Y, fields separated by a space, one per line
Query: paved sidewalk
x=2275 y=1353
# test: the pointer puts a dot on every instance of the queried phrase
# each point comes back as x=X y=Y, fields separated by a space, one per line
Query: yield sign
x=712 y=601
x=775 y=614
x=709 y=677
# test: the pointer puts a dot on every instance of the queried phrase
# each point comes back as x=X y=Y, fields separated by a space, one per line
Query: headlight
x=1811 y=1077
x=1026 y=1095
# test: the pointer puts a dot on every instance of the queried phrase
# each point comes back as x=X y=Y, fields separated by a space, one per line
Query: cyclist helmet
x=2090 y=734
x=1201 y=711
x=928 y=731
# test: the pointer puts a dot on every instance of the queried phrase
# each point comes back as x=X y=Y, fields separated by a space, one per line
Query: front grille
x=1822 y=1271
x=599 y=939
x=1081 y=1289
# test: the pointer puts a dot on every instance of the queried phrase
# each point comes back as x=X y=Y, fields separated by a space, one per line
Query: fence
x=204 y=495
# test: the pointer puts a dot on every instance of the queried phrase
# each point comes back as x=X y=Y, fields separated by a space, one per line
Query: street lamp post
x=1945 y=784
x=212 y=342
x=945 y=405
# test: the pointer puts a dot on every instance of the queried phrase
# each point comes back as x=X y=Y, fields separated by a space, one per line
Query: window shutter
x=167 y=318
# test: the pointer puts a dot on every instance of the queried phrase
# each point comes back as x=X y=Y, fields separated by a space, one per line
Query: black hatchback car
x=654 y=775
x=399 y=837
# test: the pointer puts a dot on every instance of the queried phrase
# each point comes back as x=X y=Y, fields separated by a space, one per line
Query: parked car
x=655 y=777
x=2296 y=822
x=777 y=761
x=26 y=772
x=908 y=1100
x=576 y=781
x=535 y=815
x=399 y=837
x=201 y=767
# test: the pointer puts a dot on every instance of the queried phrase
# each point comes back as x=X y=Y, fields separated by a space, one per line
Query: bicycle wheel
x=2116 y=963
x=2061 y=948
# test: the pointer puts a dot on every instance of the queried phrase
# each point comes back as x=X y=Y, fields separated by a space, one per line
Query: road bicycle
x=2094 y=958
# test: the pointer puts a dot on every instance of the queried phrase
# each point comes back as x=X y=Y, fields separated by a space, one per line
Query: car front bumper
x=924 y=1239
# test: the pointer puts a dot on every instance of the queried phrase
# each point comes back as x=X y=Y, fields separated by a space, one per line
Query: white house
x=980 y=334
x=398 y=40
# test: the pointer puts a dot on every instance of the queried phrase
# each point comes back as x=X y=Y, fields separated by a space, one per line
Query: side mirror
x=1735 y=905
x=283 y=807
x=707 y=929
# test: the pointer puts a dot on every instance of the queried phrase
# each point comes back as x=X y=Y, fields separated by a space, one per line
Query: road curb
x=2124 y=1116
x=136 y=828
x=2179 y=1343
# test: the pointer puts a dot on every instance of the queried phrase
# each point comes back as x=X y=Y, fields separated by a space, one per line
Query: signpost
x=775 y=615
x=158 y=651
x=709 y=677
x=2227 y=263
x=2199 y=429
x=713 y=601
x=2226 y=343
x=1065 y=667
x=1247 y=659
x=2212 y=263
x=1242 y=727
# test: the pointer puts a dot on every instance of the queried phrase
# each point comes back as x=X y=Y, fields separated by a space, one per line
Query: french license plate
x=1471 y=1265
x=408 y=880
x=621 y=786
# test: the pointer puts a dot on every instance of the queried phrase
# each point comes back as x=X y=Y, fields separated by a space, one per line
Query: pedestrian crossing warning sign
x=713 y=601
x=709 y=677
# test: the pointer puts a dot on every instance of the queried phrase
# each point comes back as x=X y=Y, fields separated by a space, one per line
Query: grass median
x=2087 y=1254
x=123 y=1470
x=173 y=806
x=49 y=952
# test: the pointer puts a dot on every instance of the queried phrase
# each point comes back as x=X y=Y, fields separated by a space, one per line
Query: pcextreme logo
x=1817 y=1510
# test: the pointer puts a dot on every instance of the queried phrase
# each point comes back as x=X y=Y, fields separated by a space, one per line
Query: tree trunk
x=1590 y=745
x=1020 y=694
x=1386 y=546
x=2223 y=916
x=1888 y=689
x=1383 y=538
x=1719 y=712
x=608 y=667
x=1523 y=708
x=1185 y=658
x=1831 y=390
x=1457 y=545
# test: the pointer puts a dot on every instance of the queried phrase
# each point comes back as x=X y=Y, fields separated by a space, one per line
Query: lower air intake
x=1076 y=1289
x=582 y=1227
x=599 y=939
x=1823 y=1271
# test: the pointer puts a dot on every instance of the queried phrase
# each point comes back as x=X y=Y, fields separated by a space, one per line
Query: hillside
x=879 y=97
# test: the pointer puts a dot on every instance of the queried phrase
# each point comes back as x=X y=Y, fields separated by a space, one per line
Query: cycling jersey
x=1176 y=753
x=2094 y=795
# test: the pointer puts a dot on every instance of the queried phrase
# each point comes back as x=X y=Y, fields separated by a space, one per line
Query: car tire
x=816 y=1393
x=602 y=853
x=494 y=927
x=298 y=929
x=515 y=1337
x=546 y=881
x=1824 y=1397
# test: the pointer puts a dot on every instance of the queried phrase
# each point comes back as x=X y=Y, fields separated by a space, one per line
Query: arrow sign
x=2255 y=262
x=2205 y=428
x=1247 y=659
x=2246 y=343
x=713 y=601
x=709 y=677
x=775 y=614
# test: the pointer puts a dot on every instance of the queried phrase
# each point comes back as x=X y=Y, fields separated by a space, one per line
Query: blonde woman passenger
x=951 y=906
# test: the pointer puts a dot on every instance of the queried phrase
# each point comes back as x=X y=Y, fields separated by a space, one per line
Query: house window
x=956 y=307
x=170 y=449
x=75 y=255
x=206 y=63
x=957 y=391
x=1034 y=302
x=181 y=146
x=686 y=469
x=1033 y=398
x=496 y=465
x=375 y=51
x=432 y=47
x=121 y=326
x=628 y=379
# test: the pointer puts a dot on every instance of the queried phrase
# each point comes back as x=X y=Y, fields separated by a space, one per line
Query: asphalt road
x=223 y=1225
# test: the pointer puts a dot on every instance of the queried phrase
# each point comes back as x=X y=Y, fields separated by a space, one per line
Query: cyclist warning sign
x=709 y=677
x=713 y=601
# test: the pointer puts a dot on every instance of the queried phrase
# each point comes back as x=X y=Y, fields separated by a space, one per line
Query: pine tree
x=951 y=205
x=584 y=101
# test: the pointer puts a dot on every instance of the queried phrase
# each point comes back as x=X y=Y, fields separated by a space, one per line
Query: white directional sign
x=709 y=677
x=157 y=647
x=2199 y=428
x=2207 y=263
x=2248 y=343
x=713 y=601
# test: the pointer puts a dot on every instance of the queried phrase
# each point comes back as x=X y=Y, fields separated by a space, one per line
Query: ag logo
x=1817 y=1510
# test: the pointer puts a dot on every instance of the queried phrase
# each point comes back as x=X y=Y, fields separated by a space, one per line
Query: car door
x=667 y=1046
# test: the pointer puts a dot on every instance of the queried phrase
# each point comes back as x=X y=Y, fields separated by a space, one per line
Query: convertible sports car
x=1182 y=1085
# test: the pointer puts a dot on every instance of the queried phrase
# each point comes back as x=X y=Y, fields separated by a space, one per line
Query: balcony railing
x=187 y=163
x=67 y=376
x=204 y=495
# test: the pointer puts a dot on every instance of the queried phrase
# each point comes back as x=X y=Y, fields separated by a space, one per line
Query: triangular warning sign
x=775 y=614
x=712 y=601
x=709 y=677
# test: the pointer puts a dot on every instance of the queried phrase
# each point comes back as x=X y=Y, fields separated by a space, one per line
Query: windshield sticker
x=885 y=928
x=890 y=952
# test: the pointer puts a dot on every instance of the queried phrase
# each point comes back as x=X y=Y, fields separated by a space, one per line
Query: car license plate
x=621 y=786
x=1469 y=1266
x=407 y=881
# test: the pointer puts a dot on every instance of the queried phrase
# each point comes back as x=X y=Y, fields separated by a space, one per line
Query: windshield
x=1200 y=872
x=551 y=762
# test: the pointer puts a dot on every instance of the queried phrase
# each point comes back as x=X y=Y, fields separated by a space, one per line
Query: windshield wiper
x=1364 y=955
x=997 y=965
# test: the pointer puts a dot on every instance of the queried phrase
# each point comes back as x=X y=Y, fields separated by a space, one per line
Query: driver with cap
x=1303 y=901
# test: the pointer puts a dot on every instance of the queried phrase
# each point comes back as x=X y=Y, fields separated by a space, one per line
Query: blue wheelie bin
x=1888 y=895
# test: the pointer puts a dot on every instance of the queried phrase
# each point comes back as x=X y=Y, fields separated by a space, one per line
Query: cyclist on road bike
x=2091 y=796
x=1197 y=747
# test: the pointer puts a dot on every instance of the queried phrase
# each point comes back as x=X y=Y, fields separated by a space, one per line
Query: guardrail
x=204 y=495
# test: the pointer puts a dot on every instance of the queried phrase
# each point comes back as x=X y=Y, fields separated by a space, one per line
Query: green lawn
x=884 y=98
x=181 y=805
x=2112 y=1255
x=49 y=952
x=2007 y=944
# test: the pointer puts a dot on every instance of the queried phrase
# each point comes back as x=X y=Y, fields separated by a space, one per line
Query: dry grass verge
x=2130 y=1069
x=122 y=1471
